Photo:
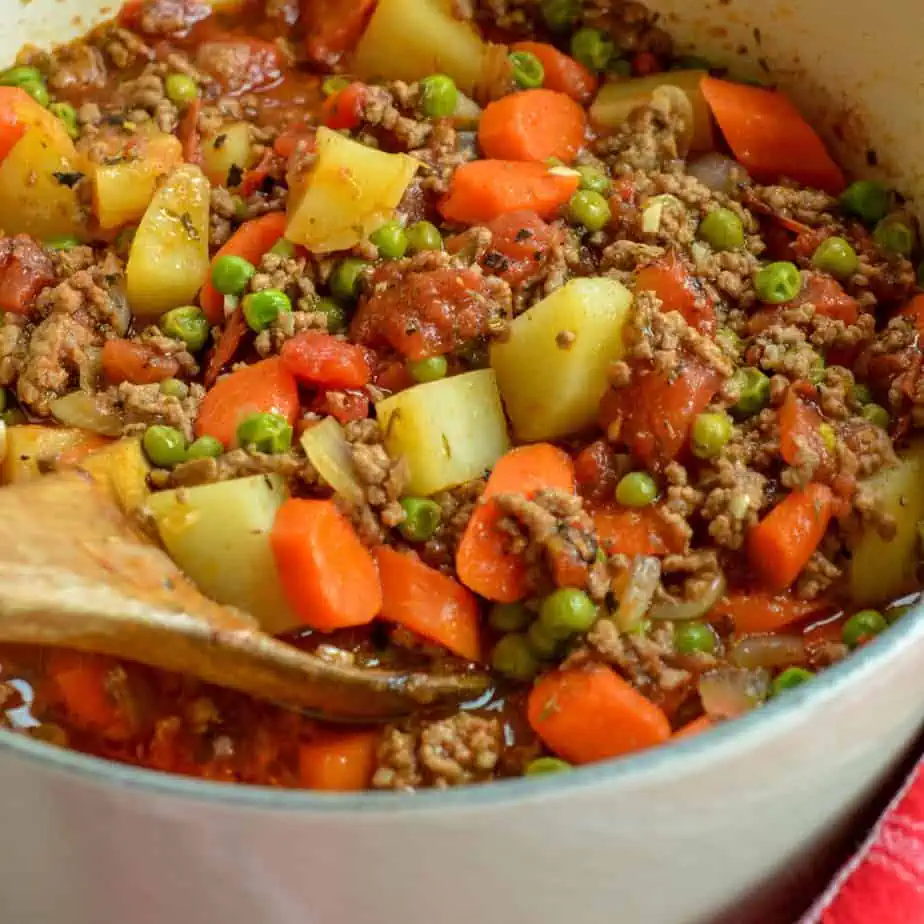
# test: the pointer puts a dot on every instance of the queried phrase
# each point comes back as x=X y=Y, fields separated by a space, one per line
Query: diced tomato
x=646 y=63
x=127 y=361
x=595 y=471
x=828 y=297
x=678 y=290
x=321 y=359
x=240 y=65
x=423 y=314
x=808 y=241
x=344 y=109
x=522 y=240
x=25 y=270
x=333 y=27
x=343 y=405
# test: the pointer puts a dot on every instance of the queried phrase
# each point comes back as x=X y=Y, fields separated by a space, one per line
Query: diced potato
x=28 y=446
x=329 y=452
x=37 y=177
x=616 y=101
x=350 y=191
x=219 y=534
x=409 y=39
x=123 y=468
x=229 y=147
x=449 y=432
x=551 y=370
x=882 y=570
x=169 y=258
x=122 y=191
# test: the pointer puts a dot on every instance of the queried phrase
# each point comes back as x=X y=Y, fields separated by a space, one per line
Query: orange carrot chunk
x=482 y=190
x=800 y=430
x=338 y=761
x=628 y=531
x=562 y=73
x=327 y=574
x=427 y=602
x=251 y=241
x=483 y=562
x=696 y=727
x=757 y=611
x=266 y=387
x=770 y=137
x=590 y=713
x=533 y=125
x=780 y=546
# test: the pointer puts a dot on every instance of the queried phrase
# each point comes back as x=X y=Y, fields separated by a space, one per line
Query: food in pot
x=572 y=357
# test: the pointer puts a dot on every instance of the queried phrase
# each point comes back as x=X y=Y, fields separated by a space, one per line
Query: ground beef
x=14 y=344
x=240 y=463
x=735 y=496
x=145 y=405
x=456 y=508
x=642 y=660
x=807 y=206
x=462 y=749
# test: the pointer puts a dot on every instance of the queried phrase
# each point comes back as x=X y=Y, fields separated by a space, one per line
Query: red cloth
x=884 y=882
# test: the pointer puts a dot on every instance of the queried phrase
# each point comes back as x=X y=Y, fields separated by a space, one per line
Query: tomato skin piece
x=127 y=361
x=678 y=290
x=320 y=359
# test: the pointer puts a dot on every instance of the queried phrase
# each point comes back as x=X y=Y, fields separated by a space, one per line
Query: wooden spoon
x=75 y=572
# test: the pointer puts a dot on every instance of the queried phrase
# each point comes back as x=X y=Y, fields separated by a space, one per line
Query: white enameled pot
x=734 y=826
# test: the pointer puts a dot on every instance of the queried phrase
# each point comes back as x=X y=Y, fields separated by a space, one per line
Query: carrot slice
x=188 y=133
x=266 y=387
x=696 y=727
x=800 y=426
x=229 y=342
x=679 y=291
x=482 y=561
x=658 y=410
x=590 y=713
x=482 y=190
x=251 y=241
x=758 y=611
x=429 y=603
x=770 y=137
x=327 y=574
x=338 y=761
x=126 y=361
x=562 y=73
x=625 y=531
x=532 y=125
x=780 y=546
x=12 y=128
x=321 y=359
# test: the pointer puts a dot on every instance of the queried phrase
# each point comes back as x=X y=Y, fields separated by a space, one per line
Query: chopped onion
x=718 y=172
x=692 y=609
x=654 y=210
x=87 y=412
x=121 y=315
x=672 y=100
x=328 y=451
x=729 y=692
x=768 y=651
x=644 y=577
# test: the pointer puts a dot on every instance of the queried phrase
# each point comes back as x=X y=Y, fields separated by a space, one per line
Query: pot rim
x=713 y=747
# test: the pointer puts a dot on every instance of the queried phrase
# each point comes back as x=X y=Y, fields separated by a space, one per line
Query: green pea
x=270 y=433
x=332 y=85
x=283 y=248
x=337 y=317
x=566 y=612
x=894 y=235
x=38 y=92
x=513 y=657
x=439 y=96
x=68 y=116
x=711 y=432
x=863 y=626
x=753 y=390
x=594 y=180
x=837 y=257
x=722 y=229
x=346 y=279
x=17 y=76
x=181 y=89
x=542 y=766
x=422 y=236
x=164 y=446
x=174 y=388
x=240 y=207
x=428 y=370
x=862 y=394
x=528 y=72
x=637 y=489
x=422 y=518
x=867 y=200
x=65 y=242
x=791 y=678
x=876 y=414
x=778 y=283
x=187 y=324
x=509 y=617
x=262 y=308
x=543 y=643
x=590 y=209
x=694 y=637
x=622 y=67
x=230 y=275
x=894 y=613
x=559 y=15
x=391 y=240
x=729 y=341
x=592 y=48
x=206 y=447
